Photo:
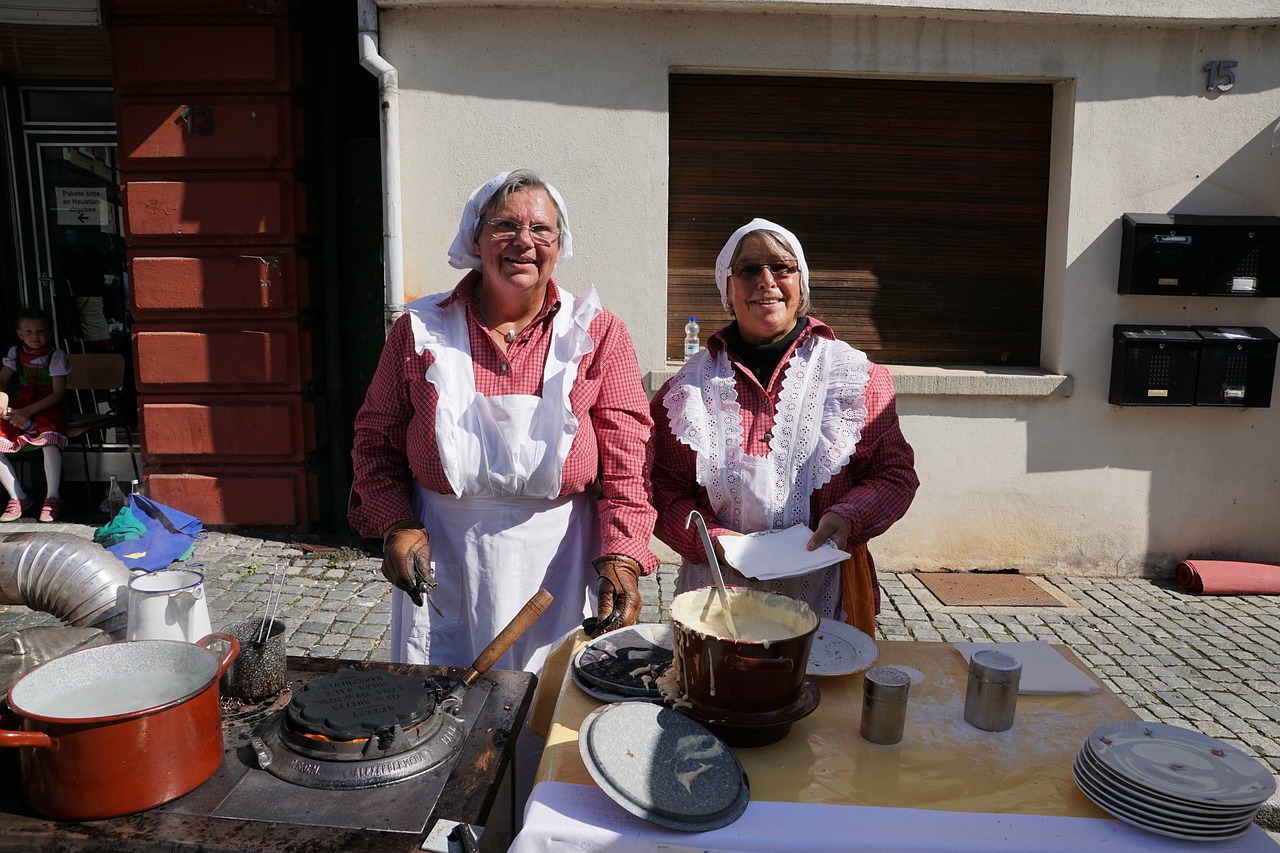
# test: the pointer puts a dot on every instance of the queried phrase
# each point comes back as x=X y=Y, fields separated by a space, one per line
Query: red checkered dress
x=871 y=492
x=395 y=430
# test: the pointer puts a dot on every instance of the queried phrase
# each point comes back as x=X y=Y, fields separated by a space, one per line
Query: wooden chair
x=93 y=389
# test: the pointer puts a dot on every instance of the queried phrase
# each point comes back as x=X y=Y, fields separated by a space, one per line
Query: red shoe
x=14 y=509
x=50 y=510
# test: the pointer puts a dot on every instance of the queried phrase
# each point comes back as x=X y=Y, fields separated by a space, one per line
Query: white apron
x=504 y=533
x=817 y=424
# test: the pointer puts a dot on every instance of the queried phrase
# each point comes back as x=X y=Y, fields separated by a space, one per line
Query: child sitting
x=36 y=416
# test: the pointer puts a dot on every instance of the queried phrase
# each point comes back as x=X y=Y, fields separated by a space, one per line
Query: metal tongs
x=696 y=517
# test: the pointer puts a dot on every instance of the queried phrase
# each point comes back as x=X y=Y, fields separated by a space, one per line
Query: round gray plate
x=663 y=767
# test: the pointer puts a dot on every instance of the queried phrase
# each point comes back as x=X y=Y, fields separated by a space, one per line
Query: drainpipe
x=389 y=127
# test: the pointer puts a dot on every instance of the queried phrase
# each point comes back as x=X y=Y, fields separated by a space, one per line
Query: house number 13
x=1221 y=77
x=199 y=120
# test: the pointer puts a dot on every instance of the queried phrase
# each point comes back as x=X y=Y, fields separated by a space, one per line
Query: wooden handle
x=532 y=609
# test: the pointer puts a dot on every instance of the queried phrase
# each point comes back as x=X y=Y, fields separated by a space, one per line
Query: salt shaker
x=884 y=704
x=991 y=697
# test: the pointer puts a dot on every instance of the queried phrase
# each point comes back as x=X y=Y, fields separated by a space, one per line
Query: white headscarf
x=463 y=253
x=726 y=255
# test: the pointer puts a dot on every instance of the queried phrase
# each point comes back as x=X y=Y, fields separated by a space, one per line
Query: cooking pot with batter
x=760 y=669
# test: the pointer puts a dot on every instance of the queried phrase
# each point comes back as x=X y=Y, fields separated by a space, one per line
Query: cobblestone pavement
x=1211 y=664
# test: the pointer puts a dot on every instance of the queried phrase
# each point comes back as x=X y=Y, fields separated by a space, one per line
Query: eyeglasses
x=780 y=270
x=507 y=229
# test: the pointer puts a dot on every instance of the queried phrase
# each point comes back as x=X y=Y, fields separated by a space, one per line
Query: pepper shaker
x=991 y=698
x=884 y=704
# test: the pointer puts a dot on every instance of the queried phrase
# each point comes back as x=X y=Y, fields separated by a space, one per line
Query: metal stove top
x=395 y=793
x=189 y=825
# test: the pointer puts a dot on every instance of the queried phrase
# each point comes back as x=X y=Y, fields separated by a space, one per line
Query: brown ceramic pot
x=742 y=676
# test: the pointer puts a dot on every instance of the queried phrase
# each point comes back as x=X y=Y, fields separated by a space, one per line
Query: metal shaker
x=884 y=704
x=991 y=697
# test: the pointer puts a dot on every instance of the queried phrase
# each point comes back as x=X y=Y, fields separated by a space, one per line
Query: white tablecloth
x=568 y=818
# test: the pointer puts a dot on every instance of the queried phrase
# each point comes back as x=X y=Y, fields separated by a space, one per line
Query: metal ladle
x=696 y=517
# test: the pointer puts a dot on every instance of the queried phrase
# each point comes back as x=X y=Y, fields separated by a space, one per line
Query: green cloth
x=124 y=527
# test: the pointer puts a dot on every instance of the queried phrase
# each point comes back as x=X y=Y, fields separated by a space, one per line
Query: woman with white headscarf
x=501 y=446
x=775 y=424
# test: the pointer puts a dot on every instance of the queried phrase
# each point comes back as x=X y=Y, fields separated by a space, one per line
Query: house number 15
x=1221 y=77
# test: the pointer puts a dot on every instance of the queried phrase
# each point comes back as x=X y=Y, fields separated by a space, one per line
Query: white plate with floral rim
x=840 y=649
x=1144 y=798
x=1172 y=828
x=1181 y=763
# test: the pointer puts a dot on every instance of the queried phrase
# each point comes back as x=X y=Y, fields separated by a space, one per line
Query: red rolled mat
x=1228 y=577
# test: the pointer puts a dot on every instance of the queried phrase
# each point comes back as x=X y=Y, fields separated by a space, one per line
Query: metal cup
x=884 y=704
x=259 y=670
x=991 y=696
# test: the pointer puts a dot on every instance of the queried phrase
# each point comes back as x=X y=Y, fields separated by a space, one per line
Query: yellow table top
x=941 y=763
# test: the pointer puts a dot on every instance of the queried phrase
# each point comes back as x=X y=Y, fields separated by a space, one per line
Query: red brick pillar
x=218 y=192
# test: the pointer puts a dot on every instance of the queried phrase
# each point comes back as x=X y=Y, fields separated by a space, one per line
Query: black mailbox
x=1154 y=366
x=1237 y=366
x=1244 y=256
x=1164 y=254
x=1183 y=254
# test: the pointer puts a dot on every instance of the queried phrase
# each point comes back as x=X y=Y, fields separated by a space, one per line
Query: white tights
x=52 y=474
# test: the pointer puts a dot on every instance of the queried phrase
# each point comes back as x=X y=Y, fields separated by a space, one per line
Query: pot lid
x=663 y=766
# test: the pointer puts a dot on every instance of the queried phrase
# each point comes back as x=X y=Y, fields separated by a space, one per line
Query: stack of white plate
x=1172 y=781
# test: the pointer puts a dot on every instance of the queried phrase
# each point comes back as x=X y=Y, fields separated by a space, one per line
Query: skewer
x=269 y=612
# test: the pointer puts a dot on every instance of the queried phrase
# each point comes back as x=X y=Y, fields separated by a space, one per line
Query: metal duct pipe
x=72 y=578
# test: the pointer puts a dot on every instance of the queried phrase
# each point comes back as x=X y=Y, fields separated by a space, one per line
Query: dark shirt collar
x=762 y=359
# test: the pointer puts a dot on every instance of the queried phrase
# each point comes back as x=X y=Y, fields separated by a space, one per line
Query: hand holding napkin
x=772 y=554
x=1044 y=670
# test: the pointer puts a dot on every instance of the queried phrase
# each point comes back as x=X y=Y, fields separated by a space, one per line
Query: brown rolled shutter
x=921 y=206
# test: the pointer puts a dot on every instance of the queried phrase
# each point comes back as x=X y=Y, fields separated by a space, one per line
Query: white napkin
x=1044 y=671
x=773 y=554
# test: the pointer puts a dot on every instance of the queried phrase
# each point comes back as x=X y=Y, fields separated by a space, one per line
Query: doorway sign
x=82 y=206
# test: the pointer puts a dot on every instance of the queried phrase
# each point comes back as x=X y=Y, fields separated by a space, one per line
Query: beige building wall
x=1036 y=472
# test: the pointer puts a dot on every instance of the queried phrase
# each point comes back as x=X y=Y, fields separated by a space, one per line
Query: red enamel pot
x=119 y=729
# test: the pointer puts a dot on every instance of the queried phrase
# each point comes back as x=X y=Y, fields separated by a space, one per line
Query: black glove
x=618 y=594
x=406 y=559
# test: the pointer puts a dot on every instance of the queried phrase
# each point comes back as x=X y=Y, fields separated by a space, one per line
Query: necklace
x=510 y=334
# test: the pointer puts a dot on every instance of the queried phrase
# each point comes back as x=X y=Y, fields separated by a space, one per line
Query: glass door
x=79 y=245
x=73 y=251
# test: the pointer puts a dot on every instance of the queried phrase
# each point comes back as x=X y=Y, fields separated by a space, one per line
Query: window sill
x=911 y=380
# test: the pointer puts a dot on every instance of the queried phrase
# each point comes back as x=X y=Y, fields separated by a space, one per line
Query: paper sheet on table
x=778 y=553
x=1044 y=671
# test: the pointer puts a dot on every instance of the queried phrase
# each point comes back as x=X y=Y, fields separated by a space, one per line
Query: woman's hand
x=618 y=591
x=830 y=526
x=406 y=559
x=727 y=569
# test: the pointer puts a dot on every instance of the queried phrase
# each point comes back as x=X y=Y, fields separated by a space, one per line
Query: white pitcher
x=168 y=605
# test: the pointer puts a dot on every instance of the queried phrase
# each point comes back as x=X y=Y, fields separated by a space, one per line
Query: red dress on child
x=35 y=370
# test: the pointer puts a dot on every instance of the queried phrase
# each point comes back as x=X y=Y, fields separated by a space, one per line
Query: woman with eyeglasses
x=778 y=423
x=501 y=446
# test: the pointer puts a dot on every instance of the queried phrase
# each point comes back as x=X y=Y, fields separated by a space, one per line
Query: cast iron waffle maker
x=361 y=729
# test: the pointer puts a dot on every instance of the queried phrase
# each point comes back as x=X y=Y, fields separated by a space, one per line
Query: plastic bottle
x=691 y=342
x=115 y=497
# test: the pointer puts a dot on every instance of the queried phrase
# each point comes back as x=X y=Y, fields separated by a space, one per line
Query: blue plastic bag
x=170 y=535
